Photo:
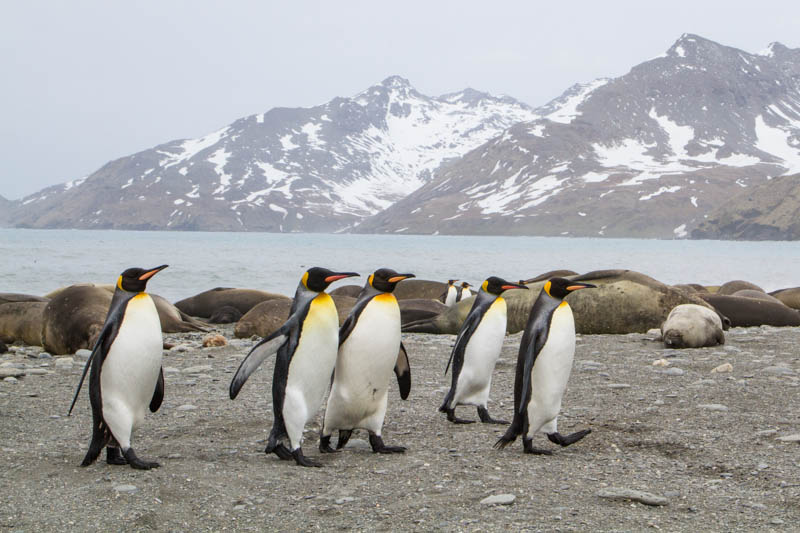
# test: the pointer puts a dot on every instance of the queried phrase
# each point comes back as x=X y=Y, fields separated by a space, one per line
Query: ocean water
x=39 y=261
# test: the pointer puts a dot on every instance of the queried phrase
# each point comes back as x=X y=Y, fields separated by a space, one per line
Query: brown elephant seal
x=74 y=318
x=731 y=287
x=419 y=309
x=412 y=289
x=347 y=290
x=758 y=295
x=745 y=312
x=227 y=314
x=691 y=288
x=266 y=317
x=624 y=301
x=790 y=297
x=22 y=321
x=173 y=320
x=549 y=275
x=205 y=303
x=692 y=326
x=13 y=297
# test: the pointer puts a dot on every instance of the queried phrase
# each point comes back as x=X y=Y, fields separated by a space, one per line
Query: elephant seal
x=347 y=290
x=548 y=275
x=692 y=326
x=624 y=301
x=412 y=289
x=266 y=317
x=419 y=309
x=22 y=321
x=13 y=297
x=205 y=303
x=790 y=297
x=691 y=288
x=74 y=318
x=173 y=320
x=731 y=287
x=3 y=347
x=745 y=312
x=227 y=314
x=758 y=295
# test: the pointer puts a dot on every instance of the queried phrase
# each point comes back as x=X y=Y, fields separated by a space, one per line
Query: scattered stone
x=499 y=499
x=37 y=372
x=713 y=406
x=211 y=341
x=171 y=370
x=721 y=369
x=11 y=379
x=11 y=372
x=358 y=444
x=187 y=407
x=64 y=363
x=790 y=438
x=42 y=355
x=776 y=522
x=83 y=354
x=704 y=382
x=126 y=488
x=197 y=369
x=345 y=499
x=674 y=371
x=617 y=493
x=777 y=370
x=766 y=433
x=660 y=362
x=179 y=348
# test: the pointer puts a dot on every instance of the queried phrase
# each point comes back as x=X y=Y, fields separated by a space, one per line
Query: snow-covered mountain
x=307 y=169
x=648 y=154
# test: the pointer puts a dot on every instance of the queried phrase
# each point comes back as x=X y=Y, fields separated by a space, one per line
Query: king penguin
x=476 y=351
x=126 y=375
x=369 y=347
x=450 y=294
x=306 y=347
x=544 y=364
x=463 y=292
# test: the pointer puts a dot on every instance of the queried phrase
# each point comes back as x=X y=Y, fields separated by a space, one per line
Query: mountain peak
x=773 y=49
x=689 y=44
x=396 y=82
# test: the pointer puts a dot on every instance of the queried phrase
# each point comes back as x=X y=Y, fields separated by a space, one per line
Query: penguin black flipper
x=532 y=350
x=403 y=372
x=352 y=319
x=158 y=394
x=467 y=329
x=265 y=348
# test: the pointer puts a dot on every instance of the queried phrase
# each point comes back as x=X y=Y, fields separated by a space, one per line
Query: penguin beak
x=400 y=277
x=578 y=286
x=152 y=272
x=508 y=286
x=341 y=275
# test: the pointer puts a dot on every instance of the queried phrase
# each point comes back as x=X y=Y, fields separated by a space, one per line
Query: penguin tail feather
x=507 y=438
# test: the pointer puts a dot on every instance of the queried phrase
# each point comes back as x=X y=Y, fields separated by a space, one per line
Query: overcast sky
x=85 y=82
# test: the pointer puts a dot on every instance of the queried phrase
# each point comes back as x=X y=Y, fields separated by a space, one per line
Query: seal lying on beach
x=22 y=321
x=74 y=318
x=731 y=287
x=624 y=301
x=206 y=303
x=746 y=312
x=790 y=297
x=265 y=318
x=692 y=326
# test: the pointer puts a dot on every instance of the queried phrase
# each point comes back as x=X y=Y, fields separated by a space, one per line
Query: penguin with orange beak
x=544 y=364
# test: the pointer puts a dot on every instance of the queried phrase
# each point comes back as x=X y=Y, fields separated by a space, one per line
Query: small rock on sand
x=617 y=493
x=499 y=499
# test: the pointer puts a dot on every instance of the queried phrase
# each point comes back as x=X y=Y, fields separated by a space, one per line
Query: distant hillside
x=5 y=206
x=769 y=211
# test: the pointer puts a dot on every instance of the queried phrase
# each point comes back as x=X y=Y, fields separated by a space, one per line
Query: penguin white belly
x=130 y=370
x=551 y=372
x=364 y=368
x=452 y=294
x=311 y=366
x=480 y=356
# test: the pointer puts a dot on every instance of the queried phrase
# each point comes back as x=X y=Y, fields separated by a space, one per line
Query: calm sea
x=39 y=261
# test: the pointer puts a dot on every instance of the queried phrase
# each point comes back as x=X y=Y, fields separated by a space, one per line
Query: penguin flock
x=352 y=364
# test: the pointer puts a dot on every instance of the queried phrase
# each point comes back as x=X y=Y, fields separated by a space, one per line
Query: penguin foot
x=451 y=416
x=281 y=451
x=114 y=457
x=563 y=440
x=379 y=447
x=483 y=413
x=137 y=463
x=325 y=445
x=302 y=460
x=527 y=445
x=344 y=436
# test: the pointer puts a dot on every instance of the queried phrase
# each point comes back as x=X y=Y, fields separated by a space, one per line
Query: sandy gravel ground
x=710 y=443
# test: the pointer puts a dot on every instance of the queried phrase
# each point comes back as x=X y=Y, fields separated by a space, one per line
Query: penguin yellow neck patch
x=547 y=288
x=386 y=297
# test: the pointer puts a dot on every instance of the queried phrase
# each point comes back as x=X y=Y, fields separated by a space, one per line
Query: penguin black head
x=465 y=285
x=385 y=279
x=451 y=281
x=495 y=285
x=560 y=287
x=317 y=279
x=135 y=279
